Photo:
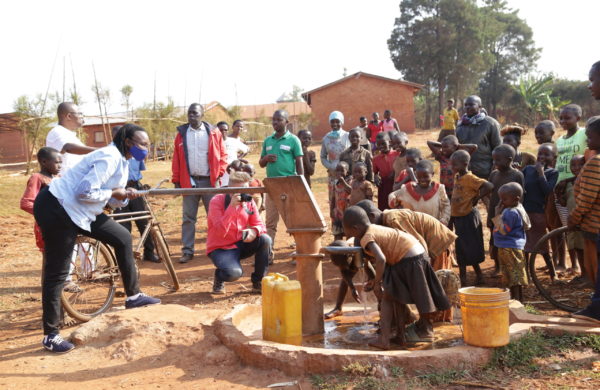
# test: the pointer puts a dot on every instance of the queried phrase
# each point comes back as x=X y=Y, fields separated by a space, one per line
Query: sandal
x=412 y=336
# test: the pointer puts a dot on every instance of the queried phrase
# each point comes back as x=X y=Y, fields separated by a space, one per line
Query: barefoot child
x=510 y=225
x=398 y=142
x=503 y=157
x=465 y=218
x=544 y=131
x=574 y=239
x=512 y=136
x=383 y=169
x=413 y=156
x=540 y=180
x=50 y=162
x=355 y=153
x=442 y=152
x=423 y=195
x=341 y=196
x=403 y=267
x=361 y=188
x=309 y=157
x=375 y=127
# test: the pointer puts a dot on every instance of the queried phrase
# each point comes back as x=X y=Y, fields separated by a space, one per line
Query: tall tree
x=34 y=118
x=510 y=51
x=126 y=92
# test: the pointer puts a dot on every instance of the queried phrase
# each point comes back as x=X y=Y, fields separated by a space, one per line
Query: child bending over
x=50 y=162
x=510 y=225
x=442 y=152
x=465 y=218
x=423 y=195
x=403 y=267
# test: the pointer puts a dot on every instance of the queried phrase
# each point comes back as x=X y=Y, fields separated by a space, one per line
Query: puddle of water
x=355 y=329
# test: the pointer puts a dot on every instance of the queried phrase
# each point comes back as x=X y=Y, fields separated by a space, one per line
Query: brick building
x=13 y=147
x=361 y=94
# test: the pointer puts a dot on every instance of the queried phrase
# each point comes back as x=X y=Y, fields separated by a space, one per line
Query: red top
x=225 y=225
x=384 y=163
x=402 y=175
x=36 y=182
x=255 y=183
x=375 y=129
x=428 y=195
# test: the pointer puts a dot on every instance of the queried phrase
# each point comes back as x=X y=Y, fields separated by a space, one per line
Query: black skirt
x=412 y=280
x=469 y=244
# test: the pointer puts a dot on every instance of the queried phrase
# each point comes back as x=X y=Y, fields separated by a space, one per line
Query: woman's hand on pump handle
x=125 y=193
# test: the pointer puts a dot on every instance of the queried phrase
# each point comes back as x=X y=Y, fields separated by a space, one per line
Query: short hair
x=46 y=153
x=574 y=108
x=547 y=124
x=505 y=150
x=390 y=111
x=424 y=165
x=359 y=164
x=450 y=101
x=283 y=113
x=382 y=136
x=516 y=130
x=355 y=215
x=577 y=157
x=362 y=118
x=356 y=131
x=239 y=177
x=593 y=124
x=452 y=138
x=339 y=258
x=549 y=145
x=63 y=109
x=461 y=155
x=367 y=205
x=127 y=131
x=197 y=105
x=476 y=98
x=512 y=188
x=343 y=164
x=235 y=122
x=222 y=123
x=401 y=135
x=303 y=131
x=248 y=167
x=413 y=152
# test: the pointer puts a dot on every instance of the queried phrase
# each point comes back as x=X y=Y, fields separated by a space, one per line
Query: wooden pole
x=98 y=97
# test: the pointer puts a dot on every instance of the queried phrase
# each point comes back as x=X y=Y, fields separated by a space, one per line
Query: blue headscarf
x=336 y=115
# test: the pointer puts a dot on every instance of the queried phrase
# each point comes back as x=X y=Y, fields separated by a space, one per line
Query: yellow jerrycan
x=281 y=309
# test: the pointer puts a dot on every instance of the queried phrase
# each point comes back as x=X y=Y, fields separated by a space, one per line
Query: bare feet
x=380 y=344
x=334 y=313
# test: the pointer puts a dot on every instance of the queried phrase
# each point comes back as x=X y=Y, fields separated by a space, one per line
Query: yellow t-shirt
x=466 y=188
x=394 y=243
x=450 y=119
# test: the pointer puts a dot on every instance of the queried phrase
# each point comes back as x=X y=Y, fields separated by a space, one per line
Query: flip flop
x=412 y=336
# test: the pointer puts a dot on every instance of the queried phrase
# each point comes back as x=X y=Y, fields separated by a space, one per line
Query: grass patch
x=532 y=310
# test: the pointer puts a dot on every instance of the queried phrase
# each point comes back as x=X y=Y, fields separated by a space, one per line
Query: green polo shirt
x=287 y=148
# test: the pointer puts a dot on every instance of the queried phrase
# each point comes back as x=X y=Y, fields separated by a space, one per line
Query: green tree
x=537 y=99
x=160 y=120
x=126 y=92
x=510 y=52
x=34 y=118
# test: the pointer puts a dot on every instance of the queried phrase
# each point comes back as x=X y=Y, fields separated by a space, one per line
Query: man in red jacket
x=199 y=161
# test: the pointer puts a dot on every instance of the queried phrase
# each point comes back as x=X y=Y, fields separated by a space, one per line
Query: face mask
x=137 y=153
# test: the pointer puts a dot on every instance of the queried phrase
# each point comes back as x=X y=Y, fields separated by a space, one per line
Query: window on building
x=99 y=137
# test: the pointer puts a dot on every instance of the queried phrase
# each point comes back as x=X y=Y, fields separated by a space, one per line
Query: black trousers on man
x=137 y=205
x=59 y=234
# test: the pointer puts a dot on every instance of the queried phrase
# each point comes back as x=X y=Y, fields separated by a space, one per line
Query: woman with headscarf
x=334 y=143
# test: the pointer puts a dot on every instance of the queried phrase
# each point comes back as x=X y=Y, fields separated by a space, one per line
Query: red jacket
x=225 y=225
x=217 y=156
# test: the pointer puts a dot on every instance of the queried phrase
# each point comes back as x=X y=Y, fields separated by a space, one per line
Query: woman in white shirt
x=73 y=205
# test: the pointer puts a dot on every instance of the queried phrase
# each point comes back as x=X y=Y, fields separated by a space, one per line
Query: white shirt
x=87 y=187
x=197 y=151
x=233 y=146
x=57 y=138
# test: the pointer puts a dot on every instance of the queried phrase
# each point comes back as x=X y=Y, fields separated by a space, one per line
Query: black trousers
x=137 y=205
x=59 y=234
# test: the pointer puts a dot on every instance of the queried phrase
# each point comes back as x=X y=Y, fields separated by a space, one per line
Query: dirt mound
x=159 y=331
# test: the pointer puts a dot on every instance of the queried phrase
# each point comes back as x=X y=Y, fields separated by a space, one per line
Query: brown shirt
x=351 y=156
x=431 y=233
x=361 y=191
x=466 y=188
x=394 y=243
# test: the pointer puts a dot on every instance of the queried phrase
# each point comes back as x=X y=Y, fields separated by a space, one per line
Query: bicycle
x=95 y=271
x=564 y=294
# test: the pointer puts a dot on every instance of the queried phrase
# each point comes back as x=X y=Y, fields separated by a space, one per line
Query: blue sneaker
x=140 y=301
x=54 y=343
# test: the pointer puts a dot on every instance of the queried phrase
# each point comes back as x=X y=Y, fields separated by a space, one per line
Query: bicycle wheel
x=95 y=273
x=566 y=293
x=165 y=257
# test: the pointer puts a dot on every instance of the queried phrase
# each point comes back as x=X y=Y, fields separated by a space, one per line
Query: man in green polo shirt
x=282 y=155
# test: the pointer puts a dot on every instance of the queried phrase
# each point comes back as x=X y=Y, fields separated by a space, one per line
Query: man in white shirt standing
x=199 y=161
x=63 y=137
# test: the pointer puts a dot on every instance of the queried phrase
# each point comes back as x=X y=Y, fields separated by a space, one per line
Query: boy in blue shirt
x=510 y=223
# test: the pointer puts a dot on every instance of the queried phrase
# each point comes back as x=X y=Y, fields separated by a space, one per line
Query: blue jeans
x=228 y=264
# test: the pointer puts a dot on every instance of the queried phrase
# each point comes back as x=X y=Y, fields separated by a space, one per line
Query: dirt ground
x=198 y=362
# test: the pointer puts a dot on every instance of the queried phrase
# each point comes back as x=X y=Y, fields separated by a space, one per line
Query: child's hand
x=356 y=296
x=377 y=180
x=369 y=285
x=539 y=168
